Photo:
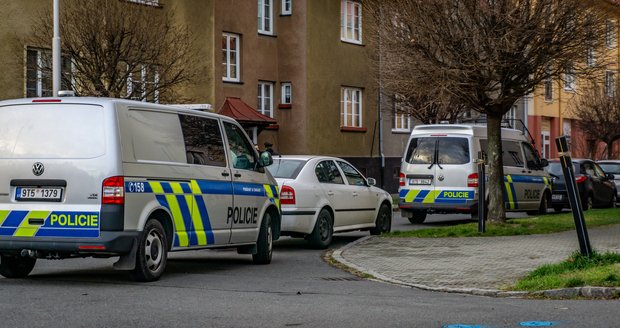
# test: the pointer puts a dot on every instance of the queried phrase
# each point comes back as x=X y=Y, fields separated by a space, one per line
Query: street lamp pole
x=56 y=50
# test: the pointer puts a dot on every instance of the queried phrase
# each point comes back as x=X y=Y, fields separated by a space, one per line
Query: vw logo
x=440 y=177
x=38 y=168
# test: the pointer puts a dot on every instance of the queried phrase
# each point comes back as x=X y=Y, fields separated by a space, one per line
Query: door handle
x=355 y=194
x=225 y=174
x=330 y=193
x=237 y=175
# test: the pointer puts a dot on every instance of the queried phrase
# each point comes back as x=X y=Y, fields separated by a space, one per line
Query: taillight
x=287 y=196
x=581 y=178
x=113 y=191
x=472 y=180
x=401 y=179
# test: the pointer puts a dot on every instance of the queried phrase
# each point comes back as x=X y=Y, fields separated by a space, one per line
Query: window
x=402 y=118
x=157 y=136
x=351 y=107
x=591 y=57
x=265 y=98
x=354 y=178
x=287 y=7
x=146 y=2
x=351 y=21
x=242 y=154
x=545 y=136
x=287 y=94
x=548 y=90
x=450 y=150
x=610 y=33
x=531 y=157
x=39 y=73
x=512 y=154
x=230 y=58
x=265 y=14
x=327 y=172
x=286 y=168
x=569 y=79
x=610 y=83
x=143 y=84
x=203 y=141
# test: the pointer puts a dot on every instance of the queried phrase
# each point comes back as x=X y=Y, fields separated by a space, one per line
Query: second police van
x=439 y=172
x=103 y=177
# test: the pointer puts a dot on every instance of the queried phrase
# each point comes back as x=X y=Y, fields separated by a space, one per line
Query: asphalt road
x=298 y=289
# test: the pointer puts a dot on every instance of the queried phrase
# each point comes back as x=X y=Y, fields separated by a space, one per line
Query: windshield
x=52 y=131
x=286 y=168
x=450 y=150
x=612 y=168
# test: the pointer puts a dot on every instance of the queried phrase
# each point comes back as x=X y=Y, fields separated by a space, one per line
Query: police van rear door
x=419 y=170
x=453 y=166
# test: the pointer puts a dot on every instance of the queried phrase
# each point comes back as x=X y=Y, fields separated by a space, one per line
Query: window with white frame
x=402 y=118
x=351 y=107
x=265 y=16
x=610 y=33
x=265 y=98
x=39 y=73
x=569 y=79
x=591 y=57
x=548 y=90
x=287 y=7
x=287 y=93
x=143 y=84
x=610 y=83
x=230 y=55
x=351 y=21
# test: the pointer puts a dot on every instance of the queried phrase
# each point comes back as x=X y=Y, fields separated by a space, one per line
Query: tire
x=558 y=208
x=542 y=208
x=417 y=217
x=152 y=253
x=323 y=231
x=383 y=223
x=614 y=200
x=588 y=203
x=16 y=266
x=264 y=244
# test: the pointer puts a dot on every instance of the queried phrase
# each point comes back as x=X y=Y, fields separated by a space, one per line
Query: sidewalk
x=477 y=265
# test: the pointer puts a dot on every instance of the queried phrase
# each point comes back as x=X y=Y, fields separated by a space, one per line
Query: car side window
x=353 y=177
x=589 y=169
x=203 y=141
x=327 y=172
x=531 y=157
x=241 y=153
x=512 y=154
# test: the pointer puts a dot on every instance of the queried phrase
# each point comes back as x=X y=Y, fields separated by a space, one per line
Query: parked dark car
x=612 y=166
x=596 y=188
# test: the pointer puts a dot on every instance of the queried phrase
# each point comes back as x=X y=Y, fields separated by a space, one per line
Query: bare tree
x=121 y=50
x=484 y=53
x=598 y=115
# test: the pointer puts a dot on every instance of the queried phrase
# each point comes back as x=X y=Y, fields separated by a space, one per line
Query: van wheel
x=383 y=223
x=152 y=253
x=16 y=266
x=264 y=244
x=542 y=209
x=417 y=217
x=323 y=231
x=614 y=199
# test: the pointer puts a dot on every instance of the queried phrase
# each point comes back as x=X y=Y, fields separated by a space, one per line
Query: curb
x=564 y=293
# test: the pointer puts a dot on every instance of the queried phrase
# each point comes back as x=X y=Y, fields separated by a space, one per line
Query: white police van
x=100 y=177
x=439 y=172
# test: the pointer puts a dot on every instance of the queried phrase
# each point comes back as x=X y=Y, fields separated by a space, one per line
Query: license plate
x=32 y=193
x=418 y=181
x=556 y=197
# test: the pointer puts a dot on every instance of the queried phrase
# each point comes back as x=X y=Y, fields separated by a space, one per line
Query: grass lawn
x=542 y=224
x=601 y=270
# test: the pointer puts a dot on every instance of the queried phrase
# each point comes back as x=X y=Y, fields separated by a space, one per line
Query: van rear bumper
x=108 y=243
x=467 y=206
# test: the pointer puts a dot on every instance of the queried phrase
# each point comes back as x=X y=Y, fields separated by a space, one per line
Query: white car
x=322 y=195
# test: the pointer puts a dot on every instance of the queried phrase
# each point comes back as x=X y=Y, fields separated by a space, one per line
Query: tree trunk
x=497 y=209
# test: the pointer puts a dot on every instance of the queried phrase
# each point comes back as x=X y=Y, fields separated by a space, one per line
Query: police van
x=439 y=172
x=97 y=177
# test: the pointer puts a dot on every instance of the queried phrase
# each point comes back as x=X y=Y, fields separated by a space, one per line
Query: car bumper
x=109 y=242
x=298 y=220
x=466 y=206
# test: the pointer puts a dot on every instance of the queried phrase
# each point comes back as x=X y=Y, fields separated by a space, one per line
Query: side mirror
x=371 y=181
x=265 y=159
x=544 y=163
x=610 y=176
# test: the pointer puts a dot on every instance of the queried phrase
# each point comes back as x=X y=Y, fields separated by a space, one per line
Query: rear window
x=555 y=168
x=52 y=131
x=449 y=150
x=610 y=168
x=285 y=168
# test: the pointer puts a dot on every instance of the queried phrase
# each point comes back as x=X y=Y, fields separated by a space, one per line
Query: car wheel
x=16 y=266
x=614 y=199
x=264 y=244
x=383 y=223
x=558 y=208
x=588 y=203
x=152 y=253
x=417 y=217
x=323 y=231
x=543 y=204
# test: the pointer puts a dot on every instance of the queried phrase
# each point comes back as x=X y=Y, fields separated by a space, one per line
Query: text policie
x=242 y=215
